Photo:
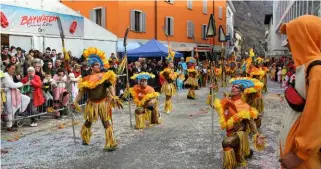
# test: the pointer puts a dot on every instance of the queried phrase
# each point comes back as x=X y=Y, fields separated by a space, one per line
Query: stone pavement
x=183 y=140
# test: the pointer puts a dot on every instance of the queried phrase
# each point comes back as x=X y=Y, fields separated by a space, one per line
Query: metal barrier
x=51 y=100
x=53 y=95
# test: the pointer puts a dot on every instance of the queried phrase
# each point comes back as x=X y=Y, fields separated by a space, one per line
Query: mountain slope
x=249 y=20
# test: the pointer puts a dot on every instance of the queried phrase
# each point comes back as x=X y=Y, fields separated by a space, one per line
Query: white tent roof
x=91 y=29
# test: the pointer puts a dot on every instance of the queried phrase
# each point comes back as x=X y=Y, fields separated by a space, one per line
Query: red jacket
x=36 y=83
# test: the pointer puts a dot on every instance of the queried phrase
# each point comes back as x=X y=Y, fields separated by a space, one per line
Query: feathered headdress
x=171 y=54
x=250 y=85
x=257 y=72
x=191 y=60
x=95 y=55
x=259 y=60
x=143 y=75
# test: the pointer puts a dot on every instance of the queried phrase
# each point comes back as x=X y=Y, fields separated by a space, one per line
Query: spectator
x=61 y=96
x=12 y=51
x=48 y=67
x=15 y=100
x=75 y=76
x=20 y=56
x=19 y=72
x=48 y=85
x=5 y=56
x=183 y=64
x=36 y=96
x=28 y=62
x=39 y=71
x=58 y=64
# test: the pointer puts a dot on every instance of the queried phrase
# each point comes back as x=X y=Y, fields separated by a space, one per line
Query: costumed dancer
x=146 y=101
x=237 y=118
x=100 y=90
x=192 y=82
x=218 y=74
x=262 y=68
x=254 y=97
x=168 y=87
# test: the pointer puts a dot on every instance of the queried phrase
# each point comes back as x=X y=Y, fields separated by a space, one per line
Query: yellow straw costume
x=237 y=118
x=146 y=101
x=169 y=88
x=192 y=82
x=100 y=91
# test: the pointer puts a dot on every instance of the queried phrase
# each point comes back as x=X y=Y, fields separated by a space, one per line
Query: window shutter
x=205 y=6
x=205 y=32
x=143 y=22
x=189 y=4
x=202 y=32
x=220 y=12
x=166 y=24
x=132 y=20
x=93 y=15
x=172 y=26
x=188 y=29
x=103 y=17
x=192 y=29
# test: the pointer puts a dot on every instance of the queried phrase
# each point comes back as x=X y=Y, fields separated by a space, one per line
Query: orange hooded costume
x=301 y=131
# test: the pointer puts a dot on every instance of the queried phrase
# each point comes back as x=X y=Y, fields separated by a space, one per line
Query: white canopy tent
x=89 y=33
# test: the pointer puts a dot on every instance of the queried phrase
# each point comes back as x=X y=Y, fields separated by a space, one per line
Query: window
x=204 y=31
x=189 y=4
x=98 y=15
x=169 y=26
x=169 y=1
x=220 y=12
x=205 y=6
x=138 y=21
x=190 y=29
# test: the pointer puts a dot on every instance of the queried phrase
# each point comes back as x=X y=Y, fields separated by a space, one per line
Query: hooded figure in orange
x=301 y=131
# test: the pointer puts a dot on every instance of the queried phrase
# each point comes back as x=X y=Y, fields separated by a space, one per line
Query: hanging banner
x=25 y=20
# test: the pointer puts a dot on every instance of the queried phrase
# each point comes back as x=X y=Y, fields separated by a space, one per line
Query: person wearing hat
x=237 y=118
x=168 y=87
x=145 y=99
x=100 y=90
x=35 y=93
x=300 y=136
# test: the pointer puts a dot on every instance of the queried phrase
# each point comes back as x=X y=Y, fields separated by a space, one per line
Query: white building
x=238 y=42
x=283 y=12
x=32 y=24
x=230 y=10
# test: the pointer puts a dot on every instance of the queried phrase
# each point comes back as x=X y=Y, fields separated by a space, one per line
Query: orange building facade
x=184 y=21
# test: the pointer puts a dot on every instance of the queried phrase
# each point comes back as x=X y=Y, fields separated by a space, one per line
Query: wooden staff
x=127 y=77
x=66 y=59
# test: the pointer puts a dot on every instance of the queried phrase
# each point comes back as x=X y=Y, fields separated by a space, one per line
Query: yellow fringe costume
x=168 y=88
x=99 y=87
x=192 y=81
x=146 y=112
x=236 y=117
x=254 y=98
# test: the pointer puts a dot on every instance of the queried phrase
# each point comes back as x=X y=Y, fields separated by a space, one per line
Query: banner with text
x=25 y=20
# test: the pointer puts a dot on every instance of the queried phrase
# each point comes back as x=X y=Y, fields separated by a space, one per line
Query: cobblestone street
x=183 y=140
